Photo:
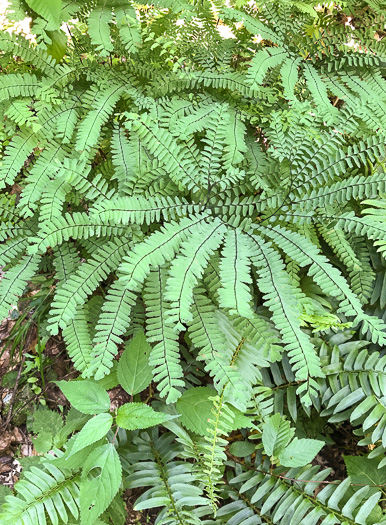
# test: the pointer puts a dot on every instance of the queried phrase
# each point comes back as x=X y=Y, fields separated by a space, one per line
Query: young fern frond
x=214 y=455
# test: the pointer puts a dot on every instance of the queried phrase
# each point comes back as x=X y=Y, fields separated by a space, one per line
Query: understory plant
x=195 y=189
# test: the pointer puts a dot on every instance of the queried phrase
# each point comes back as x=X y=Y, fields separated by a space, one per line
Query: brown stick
x=13 y=398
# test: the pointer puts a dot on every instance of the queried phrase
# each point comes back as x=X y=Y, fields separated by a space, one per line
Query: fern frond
x=188 y=267
x=19 y=46
x=90 y=127
x=83 y=282
x=178 y=163
x=327 y=277
x=214 y=455
x=142 y=210
x=13 y=247
x=18 y=85
x=235 y=275
x=207 y=335
x=356 y=187
x=337 y=240
x=15 y=154
x=99 y=27
x=39 y=176
x=319 y=93
x=172 y=483
x=262 y=61
x=356 y=380
x=274 y=282
x=47 y=490
x=77 y=338
x=53 y=199
x=155 y=250
x=129 y=28
x=165 y=356
x=280 y=500
x=76 y=226
x=13 y=283
x=66 y=261
x=113 y=322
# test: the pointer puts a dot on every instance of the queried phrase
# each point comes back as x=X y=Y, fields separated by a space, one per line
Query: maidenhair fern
x=214 y=206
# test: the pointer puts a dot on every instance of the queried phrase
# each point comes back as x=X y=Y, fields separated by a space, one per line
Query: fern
x=44 y=490
x=214 y=206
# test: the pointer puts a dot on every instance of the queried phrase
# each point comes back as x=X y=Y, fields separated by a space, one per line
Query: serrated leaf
x=45 y=420
x=300 y=452
x=75 y=421
x=101 y=479
x=42 y=442
x=195 y=408
x=138 y=415
x=94 y=430
x=277 y=433
x=364 y=471
x=134 y=371
x=241 y=449
x=49 y=10
x=86 y=396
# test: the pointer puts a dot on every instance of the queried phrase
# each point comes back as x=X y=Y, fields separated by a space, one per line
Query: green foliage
x=205 y=218
x=139 y=415
x=134 y=372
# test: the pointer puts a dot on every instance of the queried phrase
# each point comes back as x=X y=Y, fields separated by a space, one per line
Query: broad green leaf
x=4 y=491
x=277 y=433
x=42 y=442
x=71 y=460
x=242 y=449
x=110 y=380
x=75 y=421
x=138 y=415
x=134 y=371
x=48 y=9
x=86 y=396
x=93 y=431
x=300 y=452
x=101 y=479
x=57 y=48
x=45 y=420
x=364 y=470
x=195 y=408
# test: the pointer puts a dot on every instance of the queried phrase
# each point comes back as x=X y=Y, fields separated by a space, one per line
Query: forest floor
x=17 y=395
x=16 y=442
